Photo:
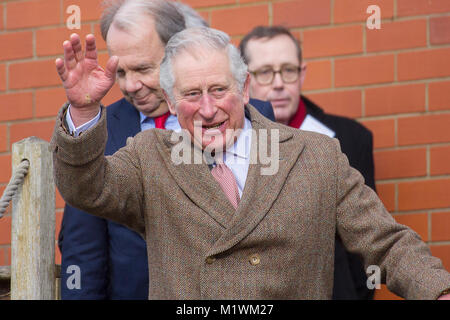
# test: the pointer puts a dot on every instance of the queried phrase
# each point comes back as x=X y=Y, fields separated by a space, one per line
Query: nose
x=207 y=107
x=132 y=83
x=278 y=81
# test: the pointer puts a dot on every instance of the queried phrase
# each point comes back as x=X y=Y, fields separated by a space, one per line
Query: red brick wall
x=395 y=80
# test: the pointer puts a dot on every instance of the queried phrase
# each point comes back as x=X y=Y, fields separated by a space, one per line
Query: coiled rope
x=16 y=180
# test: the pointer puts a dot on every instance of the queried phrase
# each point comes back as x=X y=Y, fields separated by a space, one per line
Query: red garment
x=161 y=120
x=297 y=120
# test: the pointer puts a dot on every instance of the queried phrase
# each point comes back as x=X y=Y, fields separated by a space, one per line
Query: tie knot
x=161 y=120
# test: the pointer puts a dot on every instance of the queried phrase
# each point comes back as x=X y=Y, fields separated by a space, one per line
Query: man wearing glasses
x=274 y=60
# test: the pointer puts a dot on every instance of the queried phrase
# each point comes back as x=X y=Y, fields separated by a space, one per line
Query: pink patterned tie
x=227 y=181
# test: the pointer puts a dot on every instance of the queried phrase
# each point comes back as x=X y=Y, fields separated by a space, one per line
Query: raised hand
x=85 y=82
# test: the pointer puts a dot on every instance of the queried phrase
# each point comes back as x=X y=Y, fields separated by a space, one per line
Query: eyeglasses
x=288 y=73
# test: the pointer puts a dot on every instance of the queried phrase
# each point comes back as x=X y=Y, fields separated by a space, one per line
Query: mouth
x=214 y=126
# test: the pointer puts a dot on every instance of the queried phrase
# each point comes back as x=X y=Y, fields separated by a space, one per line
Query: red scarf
x=297 y=120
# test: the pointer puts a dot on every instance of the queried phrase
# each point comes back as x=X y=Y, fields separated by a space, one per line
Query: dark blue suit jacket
x=112 y=258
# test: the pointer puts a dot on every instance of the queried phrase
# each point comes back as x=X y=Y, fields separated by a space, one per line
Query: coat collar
x=260 y=190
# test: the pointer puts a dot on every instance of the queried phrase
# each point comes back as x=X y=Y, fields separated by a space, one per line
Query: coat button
x=254 y=259
x=210 y=260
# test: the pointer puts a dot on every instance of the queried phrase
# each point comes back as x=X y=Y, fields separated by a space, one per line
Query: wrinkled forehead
x=274 y=52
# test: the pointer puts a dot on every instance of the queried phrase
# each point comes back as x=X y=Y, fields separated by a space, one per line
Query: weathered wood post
x=33 y=224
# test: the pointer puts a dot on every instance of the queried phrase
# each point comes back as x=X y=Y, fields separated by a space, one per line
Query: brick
x=5 y=230
x=1 y=18
x=59 y=201
x=99 y=42
x=428 y=194
x=49 y=41
x=16 y=106
x=395 y=99
x=89 y=9
x=2 y=257
x=328 y=42
x=343 y=103
x=16 y=45
x=301 y=13
x=5 y=173
x=49 y=101
x=440 y=30
x=421 y=7
x=386 y=192
x=364 y=70
x=2 y=77
x=33 y=74
x=240 y=20
x=400 y=163
x=397 y=35
x=3 y=138
x=424 y=129
x=207 y=3
x=442 y=252
x=440 y=160
x=383 y=132
x=423 y=64
x=113 y=95
x=352 y=11
x=318 y=75
x=40 y=129
x=440 y=226
x=417 y=222
x=8 y=255
x=439 y=95
x=33 y=13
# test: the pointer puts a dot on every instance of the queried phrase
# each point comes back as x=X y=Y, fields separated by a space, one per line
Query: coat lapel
x=259 y=193
x=123 y=122
x=196 y=180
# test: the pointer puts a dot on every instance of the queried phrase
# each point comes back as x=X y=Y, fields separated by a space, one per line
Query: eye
x=120 y=73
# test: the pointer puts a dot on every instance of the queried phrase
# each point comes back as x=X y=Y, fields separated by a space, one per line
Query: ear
x=170 y=105
x=302 y=74
x=246 y=89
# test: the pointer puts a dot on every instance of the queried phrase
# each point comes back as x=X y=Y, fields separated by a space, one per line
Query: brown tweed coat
x=279 y=244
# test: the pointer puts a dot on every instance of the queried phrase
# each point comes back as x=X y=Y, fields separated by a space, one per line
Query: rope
x=16 y=180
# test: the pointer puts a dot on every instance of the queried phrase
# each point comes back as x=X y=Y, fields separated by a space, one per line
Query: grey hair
x=203 y=37
x=191 y=17
x=124 y=13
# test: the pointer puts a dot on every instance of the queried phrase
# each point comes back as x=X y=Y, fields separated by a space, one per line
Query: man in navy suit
x=277 y=71
x=111 y=258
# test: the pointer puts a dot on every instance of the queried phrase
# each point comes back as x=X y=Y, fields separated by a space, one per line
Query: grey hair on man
x=191 y=40
x=125 y=15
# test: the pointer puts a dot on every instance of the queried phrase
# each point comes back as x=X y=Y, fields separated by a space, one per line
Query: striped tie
x=227 y=182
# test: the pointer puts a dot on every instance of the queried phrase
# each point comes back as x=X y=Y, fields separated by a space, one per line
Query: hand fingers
x=76 y=46
x=69 y=56
x=91 y=48
x=63 y=74
x=111 y=67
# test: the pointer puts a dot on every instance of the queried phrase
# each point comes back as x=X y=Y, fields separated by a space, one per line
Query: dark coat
x=357 y=144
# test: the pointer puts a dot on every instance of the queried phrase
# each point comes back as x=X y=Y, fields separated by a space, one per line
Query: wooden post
x=33 y=224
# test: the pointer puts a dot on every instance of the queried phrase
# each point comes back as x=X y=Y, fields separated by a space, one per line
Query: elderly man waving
x=206 y=239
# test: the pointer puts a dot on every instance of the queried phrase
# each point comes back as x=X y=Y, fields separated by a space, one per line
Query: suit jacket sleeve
x=366 y=228
x=83 y=241
x=109 y=187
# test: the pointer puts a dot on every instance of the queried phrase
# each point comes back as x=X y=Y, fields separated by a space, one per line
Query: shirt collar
x=241 y=148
